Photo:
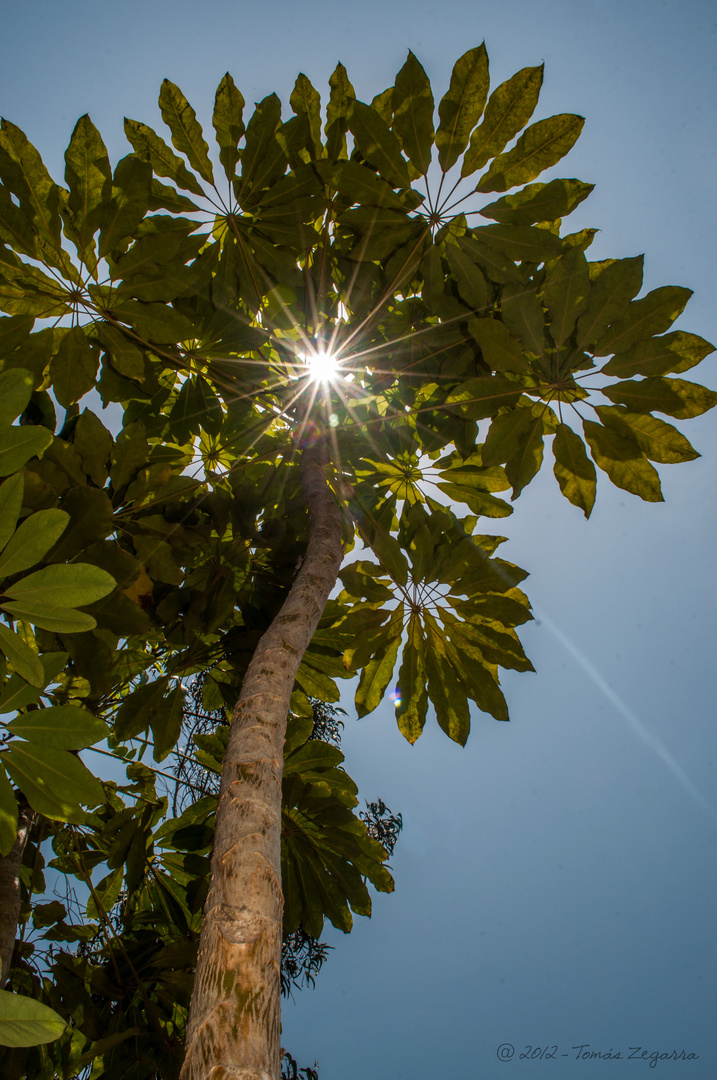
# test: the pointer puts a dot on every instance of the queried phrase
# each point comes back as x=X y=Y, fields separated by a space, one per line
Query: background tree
x=321 y=355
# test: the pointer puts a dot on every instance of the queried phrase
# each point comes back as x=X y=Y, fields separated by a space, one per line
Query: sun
x=322 y=364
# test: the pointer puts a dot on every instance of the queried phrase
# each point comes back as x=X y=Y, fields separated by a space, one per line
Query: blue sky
x=555 y=878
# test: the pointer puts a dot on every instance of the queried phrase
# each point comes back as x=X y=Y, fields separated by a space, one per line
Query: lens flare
x=323 y=365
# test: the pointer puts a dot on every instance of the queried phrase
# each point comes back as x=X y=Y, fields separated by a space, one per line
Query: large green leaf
x=74 y=367
x=149 y=146
x=566 y=293
x=505 y=434
x=65 y=727
x=166 y=722
x=72 y=585
x=413 y=113
x=26 y=1022
x=23 y=171
x=543 y=144
x=523 y=315
x=573 y=469
x=89 y=178
x=16 y=388
x=445 y=690
x=54 y=782
x=305 y=100
x=24 y=661
x=34 y=538
x=484 y=396
x=228 y=123
x=538 y=202
x=378 y=144
x=623 y=461
x=181 y=119
x=376 y=676
x=510 y=107
x=676 y=397
x=653 y=314
x=675 y=352
x=659 y=441
x=19 y=444
x=522 y=466
x=263 y=159
x=129 y=203
x=461 y=106
x=610 y=295
x=500 y=351
x=472 y=286
x=411 y=693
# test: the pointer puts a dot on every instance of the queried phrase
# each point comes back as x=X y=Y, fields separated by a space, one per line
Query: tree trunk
x=234 y=1019
x=10 y=889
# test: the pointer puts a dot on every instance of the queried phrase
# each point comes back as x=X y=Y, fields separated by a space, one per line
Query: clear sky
x=555 y=878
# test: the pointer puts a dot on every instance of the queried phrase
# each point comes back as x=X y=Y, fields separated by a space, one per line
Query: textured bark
x=234 y=1019
x=10 y=890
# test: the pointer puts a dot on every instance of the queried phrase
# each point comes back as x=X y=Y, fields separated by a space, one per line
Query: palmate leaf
x=325 y=849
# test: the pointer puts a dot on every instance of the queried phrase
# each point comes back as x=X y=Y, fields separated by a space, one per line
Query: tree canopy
x=321 y=356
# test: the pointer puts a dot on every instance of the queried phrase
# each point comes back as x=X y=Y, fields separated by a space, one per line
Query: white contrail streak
x=647 y=737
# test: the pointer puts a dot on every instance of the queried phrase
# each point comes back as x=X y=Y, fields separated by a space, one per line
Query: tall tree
x=322 y=352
